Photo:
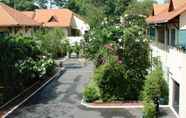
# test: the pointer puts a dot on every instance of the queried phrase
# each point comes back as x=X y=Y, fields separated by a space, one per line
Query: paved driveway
x=62 y=99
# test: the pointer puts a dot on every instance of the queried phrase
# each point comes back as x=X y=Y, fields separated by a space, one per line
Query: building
x=12 y=21
x=73 y=25
x=167 y=29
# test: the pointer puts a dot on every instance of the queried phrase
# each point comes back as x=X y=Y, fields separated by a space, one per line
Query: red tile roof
x=11 y=17
x=30 y=14
x=162 y=13
x=63 y=17
x=158 y=8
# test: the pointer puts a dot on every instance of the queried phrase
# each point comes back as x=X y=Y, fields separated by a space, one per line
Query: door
x=176 y=96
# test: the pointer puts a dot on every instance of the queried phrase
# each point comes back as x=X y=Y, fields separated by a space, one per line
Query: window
x=161 y=35
x=173 y=37
x=152 y=33
x=3 y=34
x=182 y=37
x=75 y=32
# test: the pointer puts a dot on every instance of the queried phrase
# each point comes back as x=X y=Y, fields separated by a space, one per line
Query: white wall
x=182 y=72
x=77 y=23
x=183 y=89
x=174 y=63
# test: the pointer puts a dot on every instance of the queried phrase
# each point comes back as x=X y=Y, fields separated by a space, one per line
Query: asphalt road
x=62 y=98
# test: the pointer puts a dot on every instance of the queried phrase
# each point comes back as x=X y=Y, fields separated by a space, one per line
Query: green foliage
x=36 y=69
x=21 y=4
x=97 y=38
x=91 y=92
x=152 y=86
x=110 y=81
x=115 y=7
x=136 y=49
x=131 y=20
x=52 y=42
x=78 y=6
x=149 y=110
x=130 y=45
x=135 y=57
x=95 y=10
x=41 y=3
x=21 y=64
x=155 y=86
x=94 y=15
x=60 y=3
x=127 y=41
x=143 y=7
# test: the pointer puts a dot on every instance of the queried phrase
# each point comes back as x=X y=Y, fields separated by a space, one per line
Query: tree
x=60 y=3
x=78 y=6
x=21 y=4
x=115 y=7
x=41 y=3
x=136 y=57
x=52 y=42
x=95 y=10
x=143 y=7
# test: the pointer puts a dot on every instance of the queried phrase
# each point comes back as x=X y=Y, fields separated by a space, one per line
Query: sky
x=160 y=1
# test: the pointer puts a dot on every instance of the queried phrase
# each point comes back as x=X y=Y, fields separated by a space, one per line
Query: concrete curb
x=40 y=88
x=115 y=107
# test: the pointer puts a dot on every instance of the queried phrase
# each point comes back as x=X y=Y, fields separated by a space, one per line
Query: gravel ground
x=62 y=98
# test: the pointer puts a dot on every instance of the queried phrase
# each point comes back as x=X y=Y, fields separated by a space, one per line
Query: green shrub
x=155 y=86
x=21 y=64
x=149 y=110
x=91 y=92
x=110 y=81
x=77 y=49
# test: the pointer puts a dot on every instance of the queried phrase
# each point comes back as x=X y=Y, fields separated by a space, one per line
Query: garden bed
x=24 y=96
x=113 y=104
x=116 y=103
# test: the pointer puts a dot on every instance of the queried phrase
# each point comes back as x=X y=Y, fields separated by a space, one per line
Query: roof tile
x=63 y=16
x=162 y=15
x=11 y=17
